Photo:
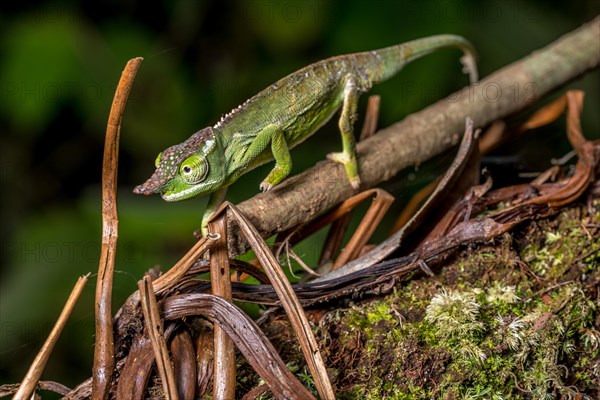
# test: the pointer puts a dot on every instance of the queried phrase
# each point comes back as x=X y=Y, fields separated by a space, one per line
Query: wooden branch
x=423 y=135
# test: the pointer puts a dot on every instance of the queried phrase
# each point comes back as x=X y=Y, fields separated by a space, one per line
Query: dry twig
x=223 y=350
x=31 y=379
x=156 y=332
x=289 y=301
x=104 y=352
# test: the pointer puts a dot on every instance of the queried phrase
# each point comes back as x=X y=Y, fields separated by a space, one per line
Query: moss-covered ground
x=516 y=318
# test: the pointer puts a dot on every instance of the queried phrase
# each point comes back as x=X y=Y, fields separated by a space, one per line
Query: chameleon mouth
x=181 y=195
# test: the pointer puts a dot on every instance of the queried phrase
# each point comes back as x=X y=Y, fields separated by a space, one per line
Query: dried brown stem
x=371 y=117
x=382 y=201
x=31 y=379
x=289 y=302
x=172 y=277
x=224 y=351
x=104 y=352
x=204 y=358
x=249 y=339
x=156 y=332
x=184 y=364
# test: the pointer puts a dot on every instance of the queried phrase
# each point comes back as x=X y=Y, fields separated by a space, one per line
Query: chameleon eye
x=157 y=159
x=194 y=169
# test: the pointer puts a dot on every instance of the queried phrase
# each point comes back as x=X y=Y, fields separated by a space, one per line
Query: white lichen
x=454 y=313
x=503 y=294
x=590 y=339
x=512 y=332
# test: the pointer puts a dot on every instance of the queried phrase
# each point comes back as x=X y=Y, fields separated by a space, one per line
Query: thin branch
x=371 y=117
x=31 y=379
x=289 y=301
x=382 y=201
x=155 y=329
x=223 y=349
x=170 y=278
x=104 y=353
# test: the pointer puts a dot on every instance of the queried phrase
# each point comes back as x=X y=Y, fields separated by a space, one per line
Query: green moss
x=514 y=319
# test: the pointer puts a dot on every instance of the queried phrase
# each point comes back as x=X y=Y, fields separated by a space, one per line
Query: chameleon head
x=186 y=170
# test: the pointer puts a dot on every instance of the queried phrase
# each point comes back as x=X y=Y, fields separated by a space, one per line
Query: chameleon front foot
x=214 y=201
x=350 y=165
x=204 y=224
x=276 y=175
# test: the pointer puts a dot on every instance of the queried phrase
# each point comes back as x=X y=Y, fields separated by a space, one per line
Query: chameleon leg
x=259 y=143
x=346 y=125
x=214 y=201
x=283 y=162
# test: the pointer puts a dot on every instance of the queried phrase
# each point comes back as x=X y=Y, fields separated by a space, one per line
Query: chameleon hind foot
x=350 y=165
x=265 y=186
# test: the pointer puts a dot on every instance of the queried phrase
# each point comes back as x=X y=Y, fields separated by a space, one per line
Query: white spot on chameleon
x=207 y=146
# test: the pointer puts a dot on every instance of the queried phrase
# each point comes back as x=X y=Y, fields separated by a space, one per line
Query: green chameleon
x=284 y=114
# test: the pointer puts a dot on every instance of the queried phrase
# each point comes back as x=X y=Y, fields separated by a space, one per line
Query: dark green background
x=59 y=65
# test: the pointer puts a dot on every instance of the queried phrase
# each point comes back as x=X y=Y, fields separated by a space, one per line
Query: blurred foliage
x=59 y=65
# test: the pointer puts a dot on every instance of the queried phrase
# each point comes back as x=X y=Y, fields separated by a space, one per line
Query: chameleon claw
x=202 y=233
x=206 y=217
x=351 y=172
x=265 y=186
x=338 y=157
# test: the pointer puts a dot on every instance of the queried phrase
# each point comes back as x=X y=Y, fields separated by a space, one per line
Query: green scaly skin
x=266 y=126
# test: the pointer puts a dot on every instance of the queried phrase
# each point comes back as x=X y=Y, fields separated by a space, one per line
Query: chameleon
x=266 y=126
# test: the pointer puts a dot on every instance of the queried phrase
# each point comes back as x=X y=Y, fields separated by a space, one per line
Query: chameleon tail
x=393 y=59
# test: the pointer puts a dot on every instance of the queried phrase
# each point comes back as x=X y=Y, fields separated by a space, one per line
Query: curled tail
x=392 y=59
